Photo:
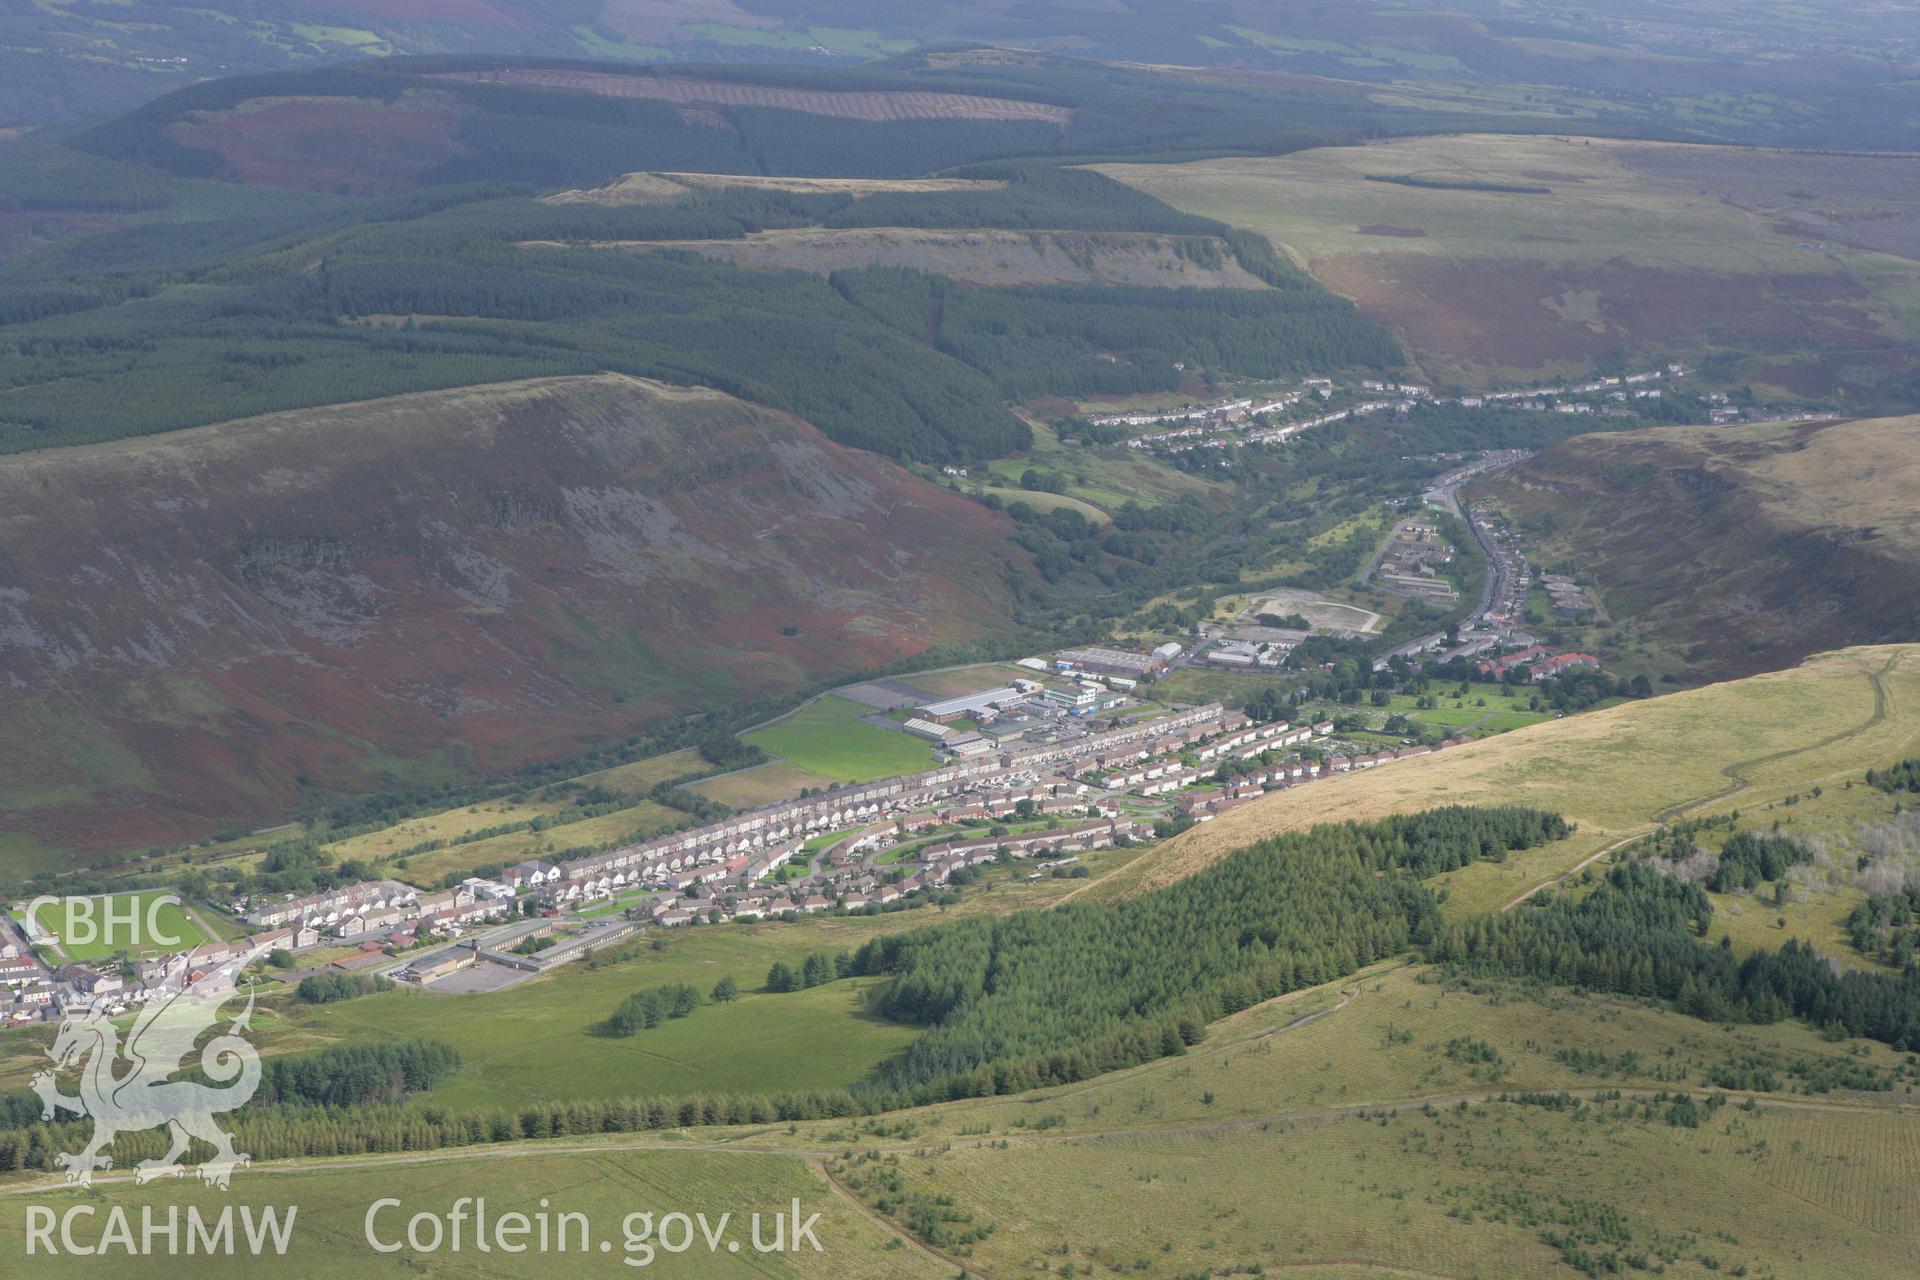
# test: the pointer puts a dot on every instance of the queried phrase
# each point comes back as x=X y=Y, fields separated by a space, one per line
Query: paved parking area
x=885 y=695
x=478 y=977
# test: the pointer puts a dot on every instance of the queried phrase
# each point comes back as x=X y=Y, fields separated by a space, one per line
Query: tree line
x=354 y=1075
x=1038 y=998
x=326 y=988
x=817 y=969
x=1886 y=926
x=1746 y=859
x=1904 y=776
x=1639 y=933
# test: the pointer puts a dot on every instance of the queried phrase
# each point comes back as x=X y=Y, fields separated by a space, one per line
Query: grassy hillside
x=605 y=1183
x=1441 y=1192
x=1617 y=773
x=1734 y=548
x=401 y=591
x=1335 y=1133
x=1499 y=258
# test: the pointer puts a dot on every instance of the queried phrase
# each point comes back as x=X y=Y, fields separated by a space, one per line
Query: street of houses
x=1047 y=803
x=1242 y=421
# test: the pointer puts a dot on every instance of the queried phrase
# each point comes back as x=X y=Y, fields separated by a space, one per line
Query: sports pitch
x=94 y=928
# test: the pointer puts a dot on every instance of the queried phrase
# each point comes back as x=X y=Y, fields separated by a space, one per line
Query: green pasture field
x=1049 y=502
x=157 y=928
x=1229 y=688
x=1499 y=714
x=761 y=784
x=1505 y=721
x=536 y=1040
x=828 y=737
x=1105 y=478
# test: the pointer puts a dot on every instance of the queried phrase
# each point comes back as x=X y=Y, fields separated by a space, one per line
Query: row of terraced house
x=1155 y=763
x=1107 y=747
x=942 y=860
x=783 y=826
x=366 y=907
x=777 y=826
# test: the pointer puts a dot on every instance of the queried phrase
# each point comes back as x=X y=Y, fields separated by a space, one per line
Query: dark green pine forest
x=174 y=324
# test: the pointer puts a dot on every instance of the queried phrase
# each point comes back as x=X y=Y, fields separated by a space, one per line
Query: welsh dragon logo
x=127 y=1088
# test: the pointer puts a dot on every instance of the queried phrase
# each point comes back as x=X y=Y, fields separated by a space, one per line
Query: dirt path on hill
x=1736 y=774
x=1570 y=872
x=961 y=1266
x=1738 y=780
x=1347 y=996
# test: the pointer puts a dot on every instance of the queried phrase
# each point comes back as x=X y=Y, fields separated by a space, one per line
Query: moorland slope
x=1508 y=260
x=1745 y=546
x=212 y=624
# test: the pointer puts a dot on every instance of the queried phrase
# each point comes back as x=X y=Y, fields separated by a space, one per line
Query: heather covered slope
x=1504 y=260
x=1746 y=547
x=196 y=628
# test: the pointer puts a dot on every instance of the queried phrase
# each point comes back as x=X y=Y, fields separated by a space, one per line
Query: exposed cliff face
x=194 y=627
x=1750 y=546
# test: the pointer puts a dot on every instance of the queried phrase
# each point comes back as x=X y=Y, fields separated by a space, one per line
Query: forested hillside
x=167 y=325
x=1014 y=1003
x=1638 y=933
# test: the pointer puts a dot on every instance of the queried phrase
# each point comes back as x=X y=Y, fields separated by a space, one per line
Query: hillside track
x=961 y=1266
x=1737 y=773
x=1569 y=873
x=1738 y=779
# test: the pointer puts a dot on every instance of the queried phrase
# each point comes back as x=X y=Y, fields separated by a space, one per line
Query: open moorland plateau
x=1102 y=638
x=1500 y=255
